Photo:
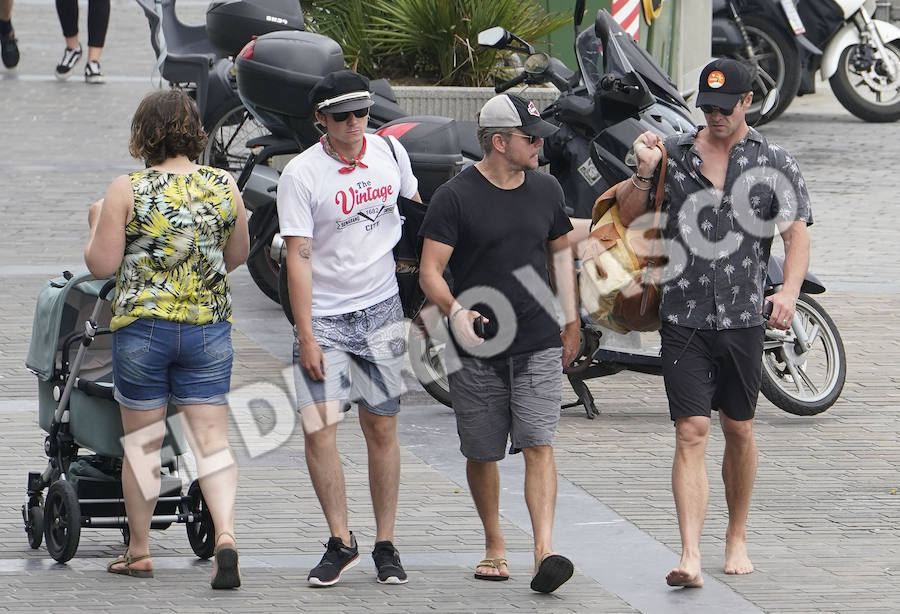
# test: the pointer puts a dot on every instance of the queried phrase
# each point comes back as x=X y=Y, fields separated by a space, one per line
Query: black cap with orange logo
x=722 y=82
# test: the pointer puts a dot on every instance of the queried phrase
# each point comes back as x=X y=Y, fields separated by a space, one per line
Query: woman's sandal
x=227 y=574
x=495 y=563
x=126 y=569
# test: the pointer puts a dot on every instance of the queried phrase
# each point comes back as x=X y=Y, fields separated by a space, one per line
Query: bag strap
x=651 y=261
x=391 y=147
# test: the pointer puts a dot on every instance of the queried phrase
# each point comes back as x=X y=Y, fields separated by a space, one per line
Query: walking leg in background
x=98 y=22
x=9 y=45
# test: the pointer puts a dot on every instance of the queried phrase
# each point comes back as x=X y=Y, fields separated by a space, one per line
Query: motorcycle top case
x=283 y=68
x=231 y=24
x=432 y=143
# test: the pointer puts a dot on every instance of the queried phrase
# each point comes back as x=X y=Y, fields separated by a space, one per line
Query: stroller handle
x=106 y=289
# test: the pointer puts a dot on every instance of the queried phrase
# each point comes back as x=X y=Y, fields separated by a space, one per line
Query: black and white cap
x=342 y=90
x=512 y=111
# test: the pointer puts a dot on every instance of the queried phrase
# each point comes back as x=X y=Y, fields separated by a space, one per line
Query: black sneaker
x=67 y=63
x=9 y=49
x=387 y=560
x=336 y=559
x=92 y=72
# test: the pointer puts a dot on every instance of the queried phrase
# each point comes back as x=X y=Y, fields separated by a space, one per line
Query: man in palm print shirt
x=727 y=190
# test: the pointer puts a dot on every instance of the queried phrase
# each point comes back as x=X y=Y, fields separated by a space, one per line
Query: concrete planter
x=460 y=103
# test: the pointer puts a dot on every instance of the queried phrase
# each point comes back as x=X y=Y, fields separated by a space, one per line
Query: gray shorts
x=364 y=352
x=516 y=397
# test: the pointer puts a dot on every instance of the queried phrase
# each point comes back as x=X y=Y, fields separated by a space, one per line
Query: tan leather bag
x=618 y=272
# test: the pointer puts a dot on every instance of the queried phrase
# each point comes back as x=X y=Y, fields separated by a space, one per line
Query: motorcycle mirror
x=537 y=63
x=769 y=102
x=496 y=37
x=578 y=13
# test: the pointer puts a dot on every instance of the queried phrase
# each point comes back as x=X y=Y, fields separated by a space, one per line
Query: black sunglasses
x=342 y=116
x=709 y=109
x=531 y=138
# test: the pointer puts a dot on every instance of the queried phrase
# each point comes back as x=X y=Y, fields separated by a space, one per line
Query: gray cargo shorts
x=516 y=398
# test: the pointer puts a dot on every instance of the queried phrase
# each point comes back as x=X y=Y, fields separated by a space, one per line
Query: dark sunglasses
x=531 y=138
x=709 y=109
x=342 y=116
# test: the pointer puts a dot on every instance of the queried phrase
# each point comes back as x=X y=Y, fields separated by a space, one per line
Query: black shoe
x=336 y=559
x=92 y=73
x=67 y=63
x=9 y=49
x=387 y=560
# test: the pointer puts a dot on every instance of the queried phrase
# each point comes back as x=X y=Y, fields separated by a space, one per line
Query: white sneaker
x=92 y=73
x=67 y=63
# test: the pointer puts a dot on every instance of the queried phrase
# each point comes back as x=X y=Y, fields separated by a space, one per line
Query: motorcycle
x=860 y=59
x=768 y=37
x=620 y=93
x=198 y=60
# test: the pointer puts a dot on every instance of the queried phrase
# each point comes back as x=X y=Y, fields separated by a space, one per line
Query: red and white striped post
x=627 y=14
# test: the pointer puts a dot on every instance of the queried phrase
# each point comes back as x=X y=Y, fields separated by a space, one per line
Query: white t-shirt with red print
x=352 y=219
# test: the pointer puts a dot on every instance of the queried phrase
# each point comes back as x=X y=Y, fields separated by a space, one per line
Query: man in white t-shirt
x=337 y=208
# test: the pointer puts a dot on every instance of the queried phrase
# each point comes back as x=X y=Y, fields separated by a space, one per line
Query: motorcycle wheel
x=779 y=66
x=284 y=296
x=426 y=356
x=805 y=384
x=264 y=270
x=226 y=147
x=869 y=94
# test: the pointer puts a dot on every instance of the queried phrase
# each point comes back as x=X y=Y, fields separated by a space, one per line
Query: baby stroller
x=77 y=410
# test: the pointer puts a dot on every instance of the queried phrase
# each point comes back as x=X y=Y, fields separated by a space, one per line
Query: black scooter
x=198 y=59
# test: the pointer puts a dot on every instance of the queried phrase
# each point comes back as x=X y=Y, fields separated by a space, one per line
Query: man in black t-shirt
x=496 y=225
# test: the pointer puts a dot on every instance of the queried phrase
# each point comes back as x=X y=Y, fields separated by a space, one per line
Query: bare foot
x=736 y=559
x=688 y=574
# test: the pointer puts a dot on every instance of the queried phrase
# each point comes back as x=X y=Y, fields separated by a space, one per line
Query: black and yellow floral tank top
x=174 y=263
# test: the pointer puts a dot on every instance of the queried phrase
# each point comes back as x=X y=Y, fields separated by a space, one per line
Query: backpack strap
x=391 y=147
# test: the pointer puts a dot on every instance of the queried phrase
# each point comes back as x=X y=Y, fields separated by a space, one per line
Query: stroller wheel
x=62 y=521
x=201 y=532
x=34 y=525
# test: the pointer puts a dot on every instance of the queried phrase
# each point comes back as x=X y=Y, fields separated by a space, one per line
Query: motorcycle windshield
x=607 y=48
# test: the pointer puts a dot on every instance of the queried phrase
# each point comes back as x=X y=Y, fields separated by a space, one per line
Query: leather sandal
x=227 y=574
x=126 y=570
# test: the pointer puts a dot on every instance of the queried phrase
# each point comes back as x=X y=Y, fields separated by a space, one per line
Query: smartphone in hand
x=478 y=325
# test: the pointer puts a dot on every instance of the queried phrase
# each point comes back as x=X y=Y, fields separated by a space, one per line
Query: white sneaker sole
x=393 y=580
x=317 y=582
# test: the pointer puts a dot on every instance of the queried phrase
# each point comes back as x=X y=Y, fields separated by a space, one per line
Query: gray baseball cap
x=512 y=111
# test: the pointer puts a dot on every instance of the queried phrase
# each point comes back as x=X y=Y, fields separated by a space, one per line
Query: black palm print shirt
x=718 y=244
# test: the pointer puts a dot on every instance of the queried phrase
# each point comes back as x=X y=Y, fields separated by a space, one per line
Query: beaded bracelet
x=644 y=179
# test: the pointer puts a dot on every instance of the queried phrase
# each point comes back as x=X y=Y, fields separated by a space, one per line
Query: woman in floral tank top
x=170 y=233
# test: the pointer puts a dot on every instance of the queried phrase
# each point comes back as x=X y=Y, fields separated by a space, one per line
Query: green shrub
x=434 y=41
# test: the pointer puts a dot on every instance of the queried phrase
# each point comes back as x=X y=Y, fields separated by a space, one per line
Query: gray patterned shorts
x=364 y=351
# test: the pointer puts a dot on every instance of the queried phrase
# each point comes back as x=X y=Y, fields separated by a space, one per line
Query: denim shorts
x=158 y=361
x=516 y=398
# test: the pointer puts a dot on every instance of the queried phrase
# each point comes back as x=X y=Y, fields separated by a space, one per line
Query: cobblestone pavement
x=823 y=530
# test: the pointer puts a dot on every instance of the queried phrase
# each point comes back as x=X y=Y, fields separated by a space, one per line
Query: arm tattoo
x=305 y=251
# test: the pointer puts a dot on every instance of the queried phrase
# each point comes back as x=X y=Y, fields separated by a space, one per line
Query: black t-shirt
x=494 y=234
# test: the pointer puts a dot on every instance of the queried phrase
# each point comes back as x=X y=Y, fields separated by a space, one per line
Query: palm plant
x=432 y=40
